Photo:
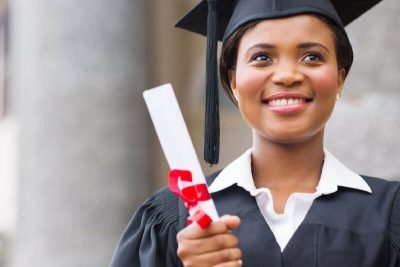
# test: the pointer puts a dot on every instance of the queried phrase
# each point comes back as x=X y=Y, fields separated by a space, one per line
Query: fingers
x=225 y=224
x=214 y=245
x=207 y=244
x=230 y=264
x=232 y=222
x=225 y=257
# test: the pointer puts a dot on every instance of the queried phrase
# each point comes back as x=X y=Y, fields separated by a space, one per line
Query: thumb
x=231 y=221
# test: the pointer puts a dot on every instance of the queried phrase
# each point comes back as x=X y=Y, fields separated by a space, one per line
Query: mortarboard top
x=218 y=19
x=231 y=14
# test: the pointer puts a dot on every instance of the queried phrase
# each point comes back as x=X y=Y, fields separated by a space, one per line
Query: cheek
x=325 y=82
x=249 y=80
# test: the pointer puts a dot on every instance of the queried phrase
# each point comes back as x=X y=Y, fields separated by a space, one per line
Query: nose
x=287 y=74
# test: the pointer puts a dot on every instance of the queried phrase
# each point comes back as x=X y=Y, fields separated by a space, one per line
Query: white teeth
x=286 y=102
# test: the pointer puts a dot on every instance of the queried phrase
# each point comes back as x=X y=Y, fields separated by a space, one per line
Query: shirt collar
x=334 y=174
x=237 y=172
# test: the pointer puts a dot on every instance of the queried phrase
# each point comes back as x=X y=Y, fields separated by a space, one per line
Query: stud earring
x=235 y=93
x=337 y=96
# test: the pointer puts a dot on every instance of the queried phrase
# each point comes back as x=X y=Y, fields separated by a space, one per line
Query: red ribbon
x=190 y=195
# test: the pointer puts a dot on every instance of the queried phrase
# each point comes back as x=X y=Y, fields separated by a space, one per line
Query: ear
x=232 y=82
x=341 y=79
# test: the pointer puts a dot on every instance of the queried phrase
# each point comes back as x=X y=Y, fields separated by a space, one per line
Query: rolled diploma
x=174 y=137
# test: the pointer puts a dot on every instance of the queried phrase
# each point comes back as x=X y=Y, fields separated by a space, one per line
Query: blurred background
x=78 y=153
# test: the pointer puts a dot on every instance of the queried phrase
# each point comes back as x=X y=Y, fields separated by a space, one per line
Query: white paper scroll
x=174 y=137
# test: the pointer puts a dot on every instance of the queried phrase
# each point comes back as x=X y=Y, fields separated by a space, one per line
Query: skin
x=214 y=246
x=283 y=58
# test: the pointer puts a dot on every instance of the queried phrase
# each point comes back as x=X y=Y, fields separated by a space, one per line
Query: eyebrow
x=261 y=45
x=302 y=46
x=312 y=44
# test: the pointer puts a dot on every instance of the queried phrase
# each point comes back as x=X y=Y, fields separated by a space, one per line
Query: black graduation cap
x=218 y=19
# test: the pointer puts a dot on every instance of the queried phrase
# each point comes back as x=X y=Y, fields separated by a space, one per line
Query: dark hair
x=228 y=58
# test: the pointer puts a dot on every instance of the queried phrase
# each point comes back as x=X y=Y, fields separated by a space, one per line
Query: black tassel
x=211 y=129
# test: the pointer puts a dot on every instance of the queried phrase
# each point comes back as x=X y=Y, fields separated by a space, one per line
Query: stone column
x=78 y=69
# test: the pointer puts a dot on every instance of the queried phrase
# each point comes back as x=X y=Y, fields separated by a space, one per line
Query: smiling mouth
x=286 y=101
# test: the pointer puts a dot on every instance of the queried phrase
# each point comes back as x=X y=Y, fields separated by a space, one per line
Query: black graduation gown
x=349 y=228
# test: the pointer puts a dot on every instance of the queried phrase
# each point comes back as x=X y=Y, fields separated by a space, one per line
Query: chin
x=292 y=138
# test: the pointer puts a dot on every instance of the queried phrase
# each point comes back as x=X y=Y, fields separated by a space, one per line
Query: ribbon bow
x=190 y=195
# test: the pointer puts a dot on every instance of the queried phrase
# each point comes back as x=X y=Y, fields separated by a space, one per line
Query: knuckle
x=235 y=241
x=230 y=241
x=182 y=252
x=231 y=254
x=179 y=236
x=226 y=255
x=220 y=241
x=218 y=228
x=238 y=253
x=187 y=263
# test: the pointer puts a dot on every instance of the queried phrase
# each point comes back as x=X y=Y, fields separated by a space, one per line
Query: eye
x=261 y=58
x=313 y=57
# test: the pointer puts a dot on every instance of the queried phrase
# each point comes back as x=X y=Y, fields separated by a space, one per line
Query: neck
x=292 y=167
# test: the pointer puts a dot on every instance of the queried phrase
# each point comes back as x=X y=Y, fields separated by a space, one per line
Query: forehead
x=296 y=28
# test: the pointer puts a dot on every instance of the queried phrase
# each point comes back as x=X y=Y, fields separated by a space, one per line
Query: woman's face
x=286 y=78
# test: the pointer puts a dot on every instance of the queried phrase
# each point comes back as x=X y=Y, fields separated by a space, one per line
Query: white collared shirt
x=334 y=174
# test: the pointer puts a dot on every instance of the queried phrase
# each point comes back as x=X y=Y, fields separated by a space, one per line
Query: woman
x=291 y=203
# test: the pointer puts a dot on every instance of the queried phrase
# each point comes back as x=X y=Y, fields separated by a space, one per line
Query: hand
x=213 y=246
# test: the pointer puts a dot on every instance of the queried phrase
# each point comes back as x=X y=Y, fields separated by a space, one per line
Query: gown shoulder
x=394 y=230
x=394 y=220
x=149 y=240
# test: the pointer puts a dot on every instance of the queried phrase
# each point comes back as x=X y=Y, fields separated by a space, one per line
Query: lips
x=287 y=102
x=286 y=99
